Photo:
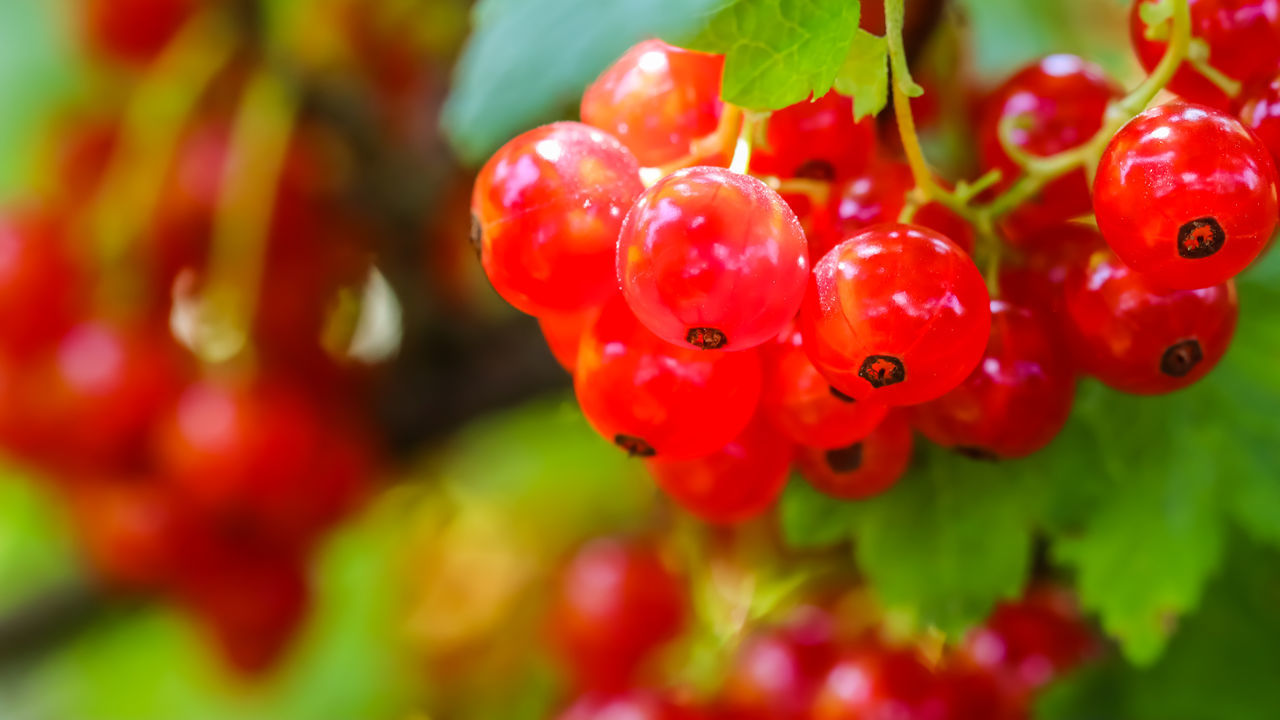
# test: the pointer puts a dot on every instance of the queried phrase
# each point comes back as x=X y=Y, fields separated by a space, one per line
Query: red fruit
x=1035 y=277
x=134 y=31
x=963 y=692
x=563 y=332
x=546 y=212
x=896 y=314
x=1015 y=401
x=1141 y=339
x=630 y=704
x=776 y=673
x=131 y=529
x=874 y=682
x=1056 y=104
x=712 y=258
x=1186 y=196
x=614 y=604
x=1243 y=38
x=735 y=483
x=651 y=397
x=800 y=402
x=863 y=469
x=1259 y=110
x=657 y=99
x=41 y=288
x=1032 y=641
x=815 y=139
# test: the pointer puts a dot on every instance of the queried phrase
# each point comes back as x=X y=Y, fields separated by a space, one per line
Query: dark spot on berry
x=1200 y=238
x=634 y=446
x=845 y=460
x=976 y=453
x=817 y=170
x=841 y=396
x=706 y=338
x=477 y=235
x=882 y=370
x=1181 y=358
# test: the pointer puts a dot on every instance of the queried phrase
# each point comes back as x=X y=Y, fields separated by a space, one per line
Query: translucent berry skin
x=801 y=404
x=1031 y=641
x=1243 y=38
x=614 y=603
x=776 y=673
x=1036 y=276
x=1141 y=339
x=1058 y=103
x=896 y=314
x=1259 y=110
x=863 y=469
x=1185 y=195
x=657 y=99
x=563 y=332
x=712 y=258
x=546 y=210
x=738 y=482
x=874 y=682
x=653 y=398
x=1015 y=401
x=37 y=270
x=815 y=139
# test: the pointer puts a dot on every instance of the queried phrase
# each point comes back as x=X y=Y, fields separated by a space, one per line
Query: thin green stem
x=903 y=87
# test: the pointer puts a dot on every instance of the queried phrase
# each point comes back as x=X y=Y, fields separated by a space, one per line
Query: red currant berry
x=776 y=673
x=651 y=397
x=712 y=258
x=615 y=602
x=131 y=529
x=1056 y=104
x=37 y=270
x=738 y=482
x=134 y=31
x=863 y=469
x=800 y=402
x=563 y=332
x=1033 y=640
x=657 y=99
x=1142 y=339
x=1243 y=39
x=964 y=692
x=1035 y=277
x=546 y=212
x=1015 y=401
x=1259 y=110
x=631 y=704
x=1185 y=195
x=896 y=314
x=874 y=682
x=816 y=139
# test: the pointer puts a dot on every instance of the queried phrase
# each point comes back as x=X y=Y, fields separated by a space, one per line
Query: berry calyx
x=862 y=469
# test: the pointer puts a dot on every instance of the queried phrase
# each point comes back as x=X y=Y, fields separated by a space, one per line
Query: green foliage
x=35 y=546
x=864 y=76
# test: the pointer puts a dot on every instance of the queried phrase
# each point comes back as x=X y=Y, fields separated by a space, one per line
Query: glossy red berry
x=1055 y=104
x=815 y=139
x=896 y=314
x=657 y=99
x=777 y=672
x=1015 y=401
x=1035 y=277
x=1259 y=110
x=1141 y=339
x=1242 y=36
x=563 y=332
x=546 y=212
x=37 y=270
x=632 y=704
x=866 y=468
x=712 y=258
x=874 y=682
x=131 y=529
x=738 y=482
x=651 y=397
x=801 y=404
x=134 y=31
x=1033 y=640
x=1185 y=195
x=614 y=604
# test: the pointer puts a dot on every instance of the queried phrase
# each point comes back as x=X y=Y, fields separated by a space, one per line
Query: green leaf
x=864 y=76
x=527 y=61
x=810 y=519
x=779 y=52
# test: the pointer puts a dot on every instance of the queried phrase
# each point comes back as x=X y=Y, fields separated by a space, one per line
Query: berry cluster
x=196 y=473
x=734 y=294
x=619 y=609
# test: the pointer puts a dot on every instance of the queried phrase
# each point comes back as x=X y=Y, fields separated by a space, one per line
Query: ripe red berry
x=896 y=314
x=563 y=332
x=815 y=139
x=134 y=31
x=131 y=529
x=738 y=482
x=872 y=681
x=1015 y=401
x=1242 y=36
x=1141 y=339
x=651 y=397
x=632 y=704
x=712 y=258
x=800 y=402
x=1033 y=640
x=37 y=270
x=776 y=673
x=546 y=212
x=863 y=469
x=1185 y=195
x=657 y=99
x=1056 y=104
x=1259 y=110
x=1035 y=277
x=614 y=603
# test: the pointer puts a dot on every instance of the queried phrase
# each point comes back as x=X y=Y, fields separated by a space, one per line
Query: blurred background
x=234 y=246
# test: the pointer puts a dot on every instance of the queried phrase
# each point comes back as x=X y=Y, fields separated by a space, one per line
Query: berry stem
x=752 y=122
x=903 y=88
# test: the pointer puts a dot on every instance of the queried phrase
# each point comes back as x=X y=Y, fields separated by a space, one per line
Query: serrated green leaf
x=864 y=76
x=779 y=52
x=527 y=61
x=810 y=519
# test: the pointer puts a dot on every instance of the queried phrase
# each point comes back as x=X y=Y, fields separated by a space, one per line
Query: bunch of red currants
x=737 y=295
x=618 y=607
